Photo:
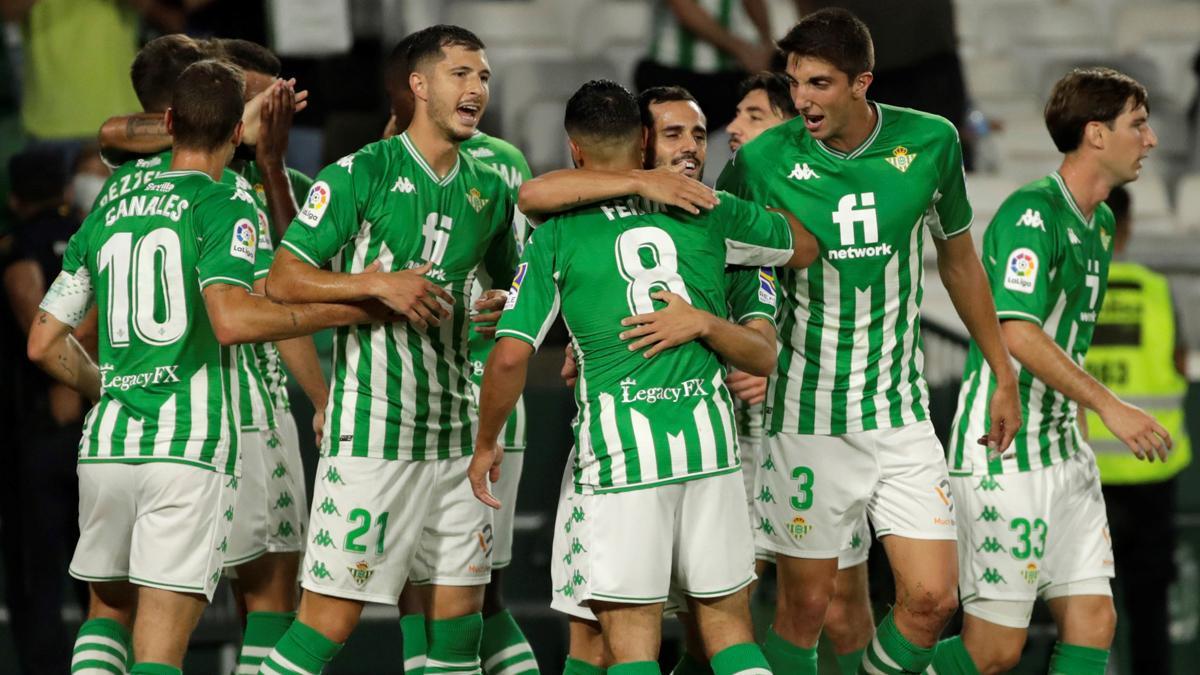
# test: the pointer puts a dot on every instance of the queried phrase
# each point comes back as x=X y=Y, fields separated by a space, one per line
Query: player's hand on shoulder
x=413 y=296
x=673 y=325
x=666 y=186
x=485 y=469
x=488 y=309
x=1137 y=429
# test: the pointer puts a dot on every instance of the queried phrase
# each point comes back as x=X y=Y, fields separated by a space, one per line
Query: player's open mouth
x=468 y=113
x=688 y=165
x=813 y=122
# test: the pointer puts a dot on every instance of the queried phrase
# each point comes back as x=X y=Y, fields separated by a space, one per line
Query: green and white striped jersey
x=508 y=160
x=255 y=392
x=851 y=356
x=399 y=392
x=750 y=293
x=642 y=422
x=675 y=45
x=1046 y=264
x=168 y=388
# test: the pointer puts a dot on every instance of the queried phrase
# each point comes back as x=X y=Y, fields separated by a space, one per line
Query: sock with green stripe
x=786 y=657
x=504 y=648
x=891 y=653
x=155 y=669
x=416 y=643
x=635 y=668
x=454 y=645
x=302 y=650
x=102 y=646
x=848 y=663
x=576 y=667
x=1071 y=659
x=744 y=658
x=950 y=657
x=263 y=630
x=690 y=665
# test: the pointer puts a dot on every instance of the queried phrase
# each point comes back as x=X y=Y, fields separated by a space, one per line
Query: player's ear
x=576 y=154
x=1093 y=135
x=169 y=119
x=416 y=82
x=861 y=83
x=237 y=133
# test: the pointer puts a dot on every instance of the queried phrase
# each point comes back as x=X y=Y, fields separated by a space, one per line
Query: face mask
x=86 y=187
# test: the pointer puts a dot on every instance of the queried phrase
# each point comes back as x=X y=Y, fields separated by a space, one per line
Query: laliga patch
x=244 y=241
x=518 y=279
x=315 y=205
x=766 y=286
x=1020 y=274
x=264 y=232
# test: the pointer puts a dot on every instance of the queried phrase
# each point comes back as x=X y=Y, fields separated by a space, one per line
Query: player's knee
x=932 y=606
x=1000 y=657
x=810 y=602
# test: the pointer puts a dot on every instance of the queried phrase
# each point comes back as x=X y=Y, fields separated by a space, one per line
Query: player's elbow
x=37 y=348
x=280 y=283
x=510 y=355
x=227 y=332
x=531 y=198
x=763 y=364
x=805 y=250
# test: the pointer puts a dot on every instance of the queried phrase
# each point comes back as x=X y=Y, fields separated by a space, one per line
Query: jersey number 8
x=647 y=259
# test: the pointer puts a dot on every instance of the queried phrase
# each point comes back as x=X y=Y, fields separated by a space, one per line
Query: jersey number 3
x=647 y=259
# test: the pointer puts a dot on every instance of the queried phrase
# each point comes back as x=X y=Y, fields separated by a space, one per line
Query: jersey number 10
x=137 y=275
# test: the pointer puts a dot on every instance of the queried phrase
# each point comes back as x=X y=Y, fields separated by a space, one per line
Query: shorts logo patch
x=486 y=539
x=798 y=528
x=1020 y=274
x=992 y=576
x=319 y=571
x=315 y=205
x=245 y=240
x=1030 y=573
x=361 y=572
x=515 y=289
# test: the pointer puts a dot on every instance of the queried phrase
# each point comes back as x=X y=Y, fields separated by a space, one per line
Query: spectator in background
x=40 y=507
x=1136 y=352
x=707 y=47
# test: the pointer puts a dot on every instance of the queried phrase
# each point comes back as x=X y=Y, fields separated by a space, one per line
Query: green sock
x=635 y=668
x=848 y=663
x=415 y=644
x=576 y=667
x=102 y=644
x=263 y=630
x=155 y=669
x=504 y=647
x=786 y=657
x=743 y=658
x=302 y=649
x=1075 y=660
x=454 y=645
x=890 y=653
x=950 y=657
x=690 y=665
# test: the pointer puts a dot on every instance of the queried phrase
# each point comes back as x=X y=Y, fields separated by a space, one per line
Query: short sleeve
x=75 y=257
x=329 y=216
x=533 y=298
x=950 y=214
x=1020 y=253
x=753 y=235
x=227 y=234
x=264 y=255
x=751 y=293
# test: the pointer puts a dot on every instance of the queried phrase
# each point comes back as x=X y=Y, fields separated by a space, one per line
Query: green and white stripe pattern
x=102 y=647
x=674 y=45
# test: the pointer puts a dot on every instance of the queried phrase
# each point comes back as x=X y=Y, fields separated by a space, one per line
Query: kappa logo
x=1073 y=238
x=404 y=185
x=802 y=172
x=347 y=163
x=1032 y=219
x=901 y=159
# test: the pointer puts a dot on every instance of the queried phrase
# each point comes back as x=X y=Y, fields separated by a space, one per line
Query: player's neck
x=186 y=159
x=1086 y=181
x=858 y=128
x=439 y=152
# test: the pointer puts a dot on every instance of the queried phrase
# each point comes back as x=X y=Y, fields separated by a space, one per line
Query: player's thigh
x=1077 y=545
x=457 y=534
x=107 y=512
x=1001 y=521
x=713 y=546
x=629 y=543
x=809 y=491
x=184 y=518
x=913 y=498
x=365 y=526
x=248 y=532
x=505 y=490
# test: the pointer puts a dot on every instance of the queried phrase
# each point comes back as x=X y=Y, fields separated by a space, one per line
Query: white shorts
x=158 y=524
x=811 y=490
x=1022 y=535
x=375 y=523
x=505 y=490
x=272 y=506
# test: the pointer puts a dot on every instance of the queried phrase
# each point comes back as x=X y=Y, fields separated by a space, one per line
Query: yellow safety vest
x=1133 y=354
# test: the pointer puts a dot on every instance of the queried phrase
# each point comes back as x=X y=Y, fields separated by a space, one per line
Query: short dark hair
x=428 y=43
x=207 y=104
x=776 y=87
x=602 y=110
x=157 y=66
x=38 y=174
x=248 y=55
x=1089 y=95
x=654 y=95
x=835 y=35
x=1118 y=200
x=398 y=65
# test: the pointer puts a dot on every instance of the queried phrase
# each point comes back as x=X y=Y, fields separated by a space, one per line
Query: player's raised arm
x=566 y=189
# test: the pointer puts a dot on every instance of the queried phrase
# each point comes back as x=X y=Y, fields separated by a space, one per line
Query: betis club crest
x=361 y=572
x=901 y=159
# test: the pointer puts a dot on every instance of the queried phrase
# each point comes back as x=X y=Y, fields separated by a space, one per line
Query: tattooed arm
x=53 y=348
